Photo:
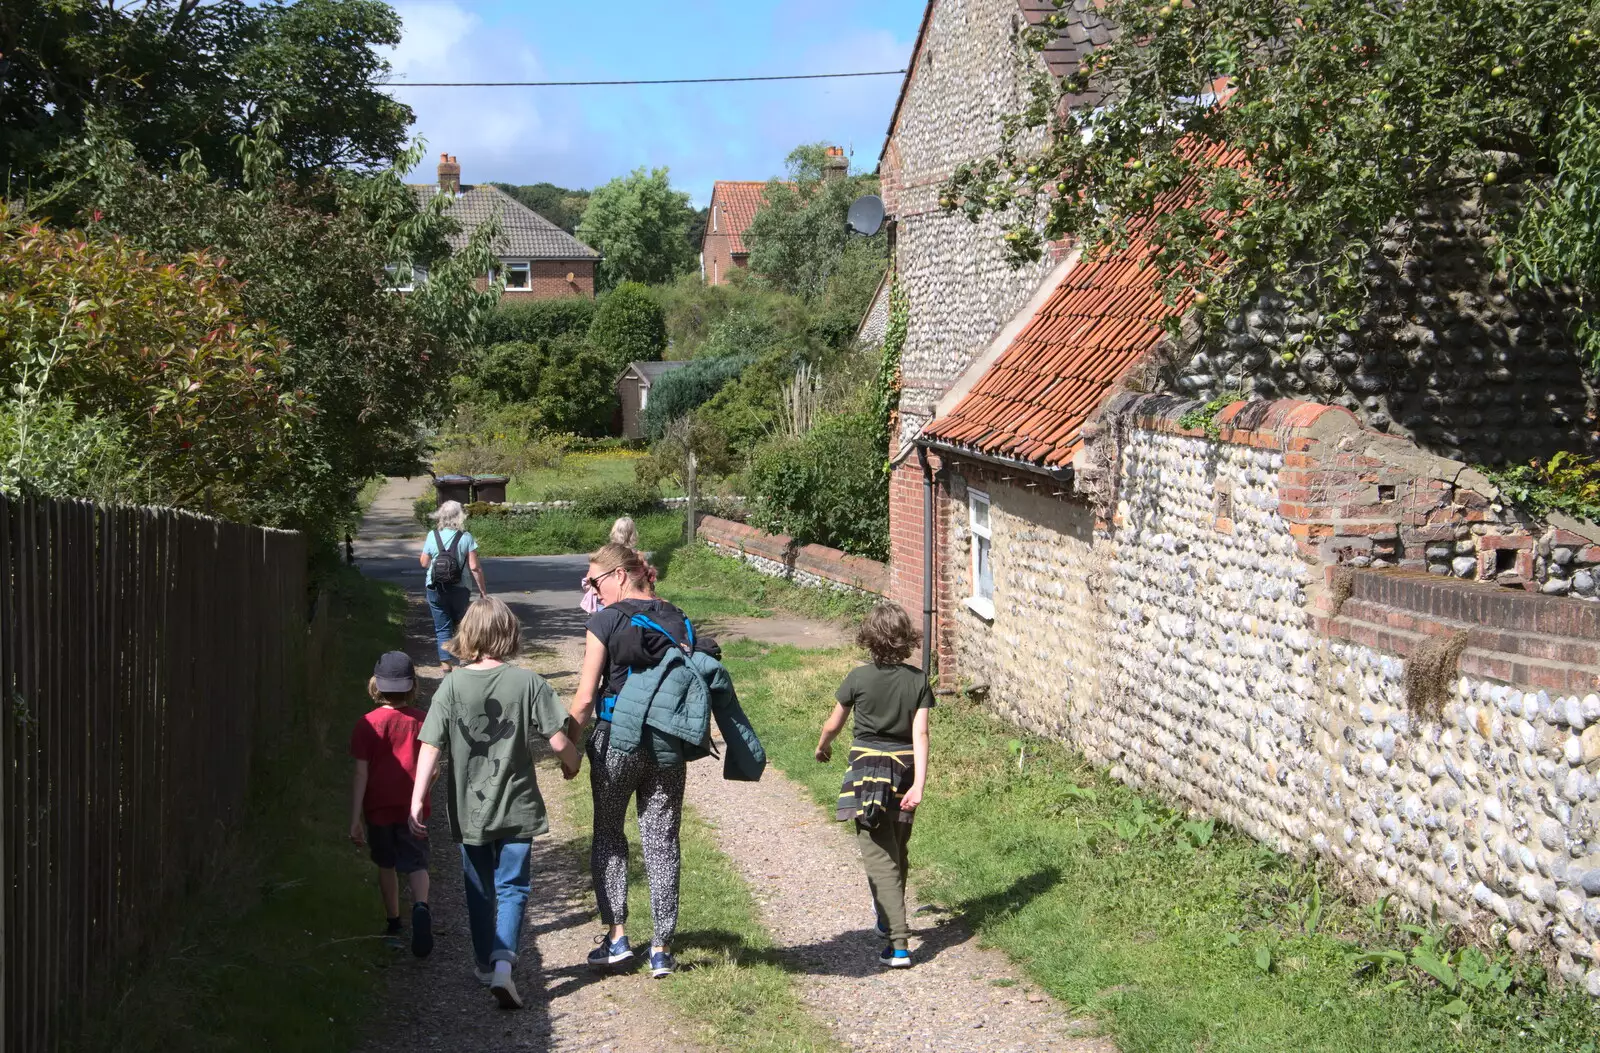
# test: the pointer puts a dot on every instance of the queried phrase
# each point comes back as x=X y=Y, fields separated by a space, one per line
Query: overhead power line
x=608 y=83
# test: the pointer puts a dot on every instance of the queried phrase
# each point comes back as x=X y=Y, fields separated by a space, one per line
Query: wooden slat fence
x=138 y=649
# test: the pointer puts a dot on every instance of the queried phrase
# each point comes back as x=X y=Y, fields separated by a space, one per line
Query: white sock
x=502 y=968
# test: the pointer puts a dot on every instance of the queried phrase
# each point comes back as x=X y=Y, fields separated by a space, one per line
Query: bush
x=567 y=385
x=610 y=499
x=534 y=321
x=629 y=326
x=497 y=440
x=826 y=488
x=683 y=390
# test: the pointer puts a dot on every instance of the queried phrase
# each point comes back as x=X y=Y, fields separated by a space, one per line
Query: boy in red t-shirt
x=384 y=744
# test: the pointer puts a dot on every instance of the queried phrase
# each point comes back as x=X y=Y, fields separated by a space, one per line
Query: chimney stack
x=449 y=175
x=836 y=167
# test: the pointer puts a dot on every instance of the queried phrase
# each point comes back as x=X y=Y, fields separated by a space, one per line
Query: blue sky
x=581 y=137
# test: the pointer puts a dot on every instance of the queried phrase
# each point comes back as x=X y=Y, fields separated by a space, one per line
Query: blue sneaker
x=895 y=958
x=421 y=930
x=610 y=955
x=882 y=927
x=661 y=963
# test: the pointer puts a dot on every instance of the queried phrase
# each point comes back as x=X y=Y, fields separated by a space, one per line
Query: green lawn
x=706 y=584
x=577 y=471
x=729 y=986
x=1177 y=935
x=279 y=948
x=558 y=532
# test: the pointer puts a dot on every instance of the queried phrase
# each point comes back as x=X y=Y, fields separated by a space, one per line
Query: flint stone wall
x=959 y=287
x=1202 y=638
x=1448 y=354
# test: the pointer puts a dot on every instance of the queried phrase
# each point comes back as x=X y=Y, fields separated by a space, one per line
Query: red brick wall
x=549 y=279
x=719 y=258
x=734 y=538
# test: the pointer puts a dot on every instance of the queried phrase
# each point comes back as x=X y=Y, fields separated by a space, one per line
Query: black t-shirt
x=631 y=647
x=884 y=699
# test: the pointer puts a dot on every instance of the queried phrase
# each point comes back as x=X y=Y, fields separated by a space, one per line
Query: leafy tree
x=559 y=205
x=695 y=235
x=1338 y=117
x=310 y=257
x=180 y=75
x=798 y=239
x=639 y=223
x=124 y=365
x=629 y=326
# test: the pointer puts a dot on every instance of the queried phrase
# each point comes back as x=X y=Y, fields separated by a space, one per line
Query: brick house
x=1310 y=619
x=733 y=206
x=537 y=259
x=722 y=248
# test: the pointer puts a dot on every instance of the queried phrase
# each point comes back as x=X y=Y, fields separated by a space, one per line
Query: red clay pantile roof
x=736 y=204
x=1103 y=317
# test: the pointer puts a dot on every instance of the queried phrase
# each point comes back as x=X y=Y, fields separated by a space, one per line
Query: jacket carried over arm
x=670 y=708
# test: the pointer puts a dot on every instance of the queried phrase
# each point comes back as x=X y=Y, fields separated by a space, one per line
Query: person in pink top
x=623 y=532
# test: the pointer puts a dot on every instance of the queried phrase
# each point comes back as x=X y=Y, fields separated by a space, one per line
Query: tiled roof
x=1103 y=317
x=650 y=372
x=524 y=234
x=1086 y=30
x=736 y=204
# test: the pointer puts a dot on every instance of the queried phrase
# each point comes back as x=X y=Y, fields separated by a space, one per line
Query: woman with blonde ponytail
x=614 y=648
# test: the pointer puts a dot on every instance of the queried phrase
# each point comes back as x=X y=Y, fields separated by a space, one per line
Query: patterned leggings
x=615 y=777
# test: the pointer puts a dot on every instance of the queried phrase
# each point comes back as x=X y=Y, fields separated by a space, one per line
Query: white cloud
x=492 y=132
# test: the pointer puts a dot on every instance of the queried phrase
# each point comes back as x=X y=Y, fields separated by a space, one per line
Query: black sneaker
x=895 y=958
x=394 y=937
x=610 y=953
x=421 y=930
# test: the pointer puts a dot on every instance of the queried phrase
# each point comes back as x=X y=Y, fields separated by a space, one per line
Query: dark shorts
x=395 y=847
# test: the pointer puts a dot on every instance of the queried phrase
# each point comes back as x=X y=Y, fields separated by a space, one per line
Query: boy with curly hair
x=888 y=763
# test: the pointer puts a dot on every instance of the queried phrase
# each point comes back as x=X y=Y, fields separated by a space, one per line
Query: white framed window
x=403 y=277
x=518 y=274
x=644 y=397
x=714 y=219
x=982 y=598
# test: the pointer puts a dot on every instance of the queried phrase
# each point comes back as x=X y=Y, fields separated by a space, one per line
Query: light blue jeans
x=447 y=605
x=497 y=882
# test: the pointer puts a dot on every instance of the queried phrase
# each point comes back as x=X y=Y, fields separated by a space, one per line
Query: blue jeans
x=497 y=889
x=448 y=604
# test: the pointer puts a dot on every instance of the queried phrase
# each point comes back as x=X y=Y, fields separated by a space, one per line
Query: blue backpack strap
x=644 y=621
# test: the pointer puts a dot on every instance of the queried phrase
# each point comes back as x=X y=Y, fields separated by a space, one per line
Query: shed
x=633 y=391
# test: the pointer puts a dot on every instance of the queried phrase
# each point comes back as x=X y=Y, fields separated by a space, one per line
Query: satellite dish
x=866 y=215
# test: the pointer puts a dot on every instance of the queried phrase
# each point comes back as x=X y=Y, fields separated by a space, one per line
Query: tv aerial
x=866 y=215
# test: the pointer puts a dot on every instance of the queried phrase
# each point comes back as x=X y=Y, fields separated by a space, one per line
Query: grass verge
x=1176 y=934
x=277 y=950
x=579 y=470
x=729 y=984
x=558 y=533
x=706 y=584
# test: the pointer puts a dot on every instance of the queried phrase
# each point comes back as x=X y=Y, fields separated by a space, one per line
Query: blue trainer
x=895 y=958
x=882 y=927
x=661 y=963
x=609 y=955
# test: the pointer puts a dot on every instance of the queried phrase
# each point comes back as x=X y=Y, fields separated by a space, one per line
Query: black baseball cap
x=394 y=672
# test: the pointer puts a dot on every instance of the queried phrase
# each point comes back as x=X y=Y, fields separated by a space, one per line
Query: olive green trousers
x=883 y=856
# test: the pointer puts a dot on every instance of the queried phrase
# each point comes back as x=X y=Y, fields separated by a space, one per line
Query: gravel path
x=807 y=878
x=437 y=1004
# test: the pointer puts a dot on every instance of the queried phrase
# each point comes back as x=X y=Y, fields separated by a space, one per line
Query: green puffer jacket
x=671 y=706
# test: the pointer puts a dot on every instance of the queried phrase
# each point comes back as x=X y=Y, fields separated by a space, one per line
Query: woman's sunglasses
x=589 y=583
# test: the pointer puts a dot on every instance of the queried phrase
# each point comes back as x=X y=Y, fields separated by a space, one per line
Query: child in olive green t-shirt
x=489 y=717
x=888 y=764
